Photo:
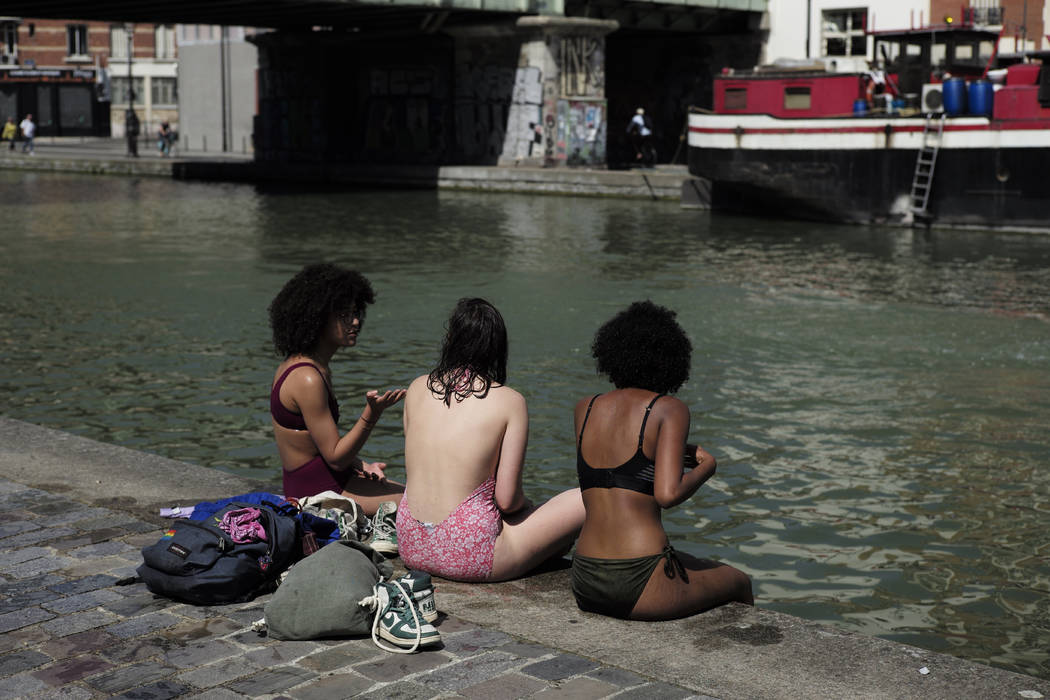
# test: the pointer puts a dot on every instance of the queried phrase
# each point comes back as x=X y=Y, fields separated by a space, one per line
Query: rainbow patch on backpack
x=168 y=533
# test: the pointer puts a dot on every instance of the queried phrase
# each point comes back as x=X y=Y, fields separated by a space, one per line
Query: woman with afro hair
x=320 y=310
x=632 y=460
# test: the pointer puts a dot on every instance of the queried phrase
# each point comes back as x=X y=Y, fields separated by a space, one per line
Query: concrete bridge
x=483 y=82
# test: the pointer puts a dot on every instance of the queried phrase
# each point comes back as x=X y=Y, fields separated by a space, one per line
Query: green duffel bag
x=320 y=596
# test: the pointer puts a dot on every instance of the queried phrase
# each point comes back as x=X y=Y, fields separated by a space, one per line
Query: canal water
x=878 y=399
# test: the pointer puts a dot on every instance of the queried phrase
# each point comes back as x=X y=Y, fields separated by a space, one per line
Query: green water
x=878 y=399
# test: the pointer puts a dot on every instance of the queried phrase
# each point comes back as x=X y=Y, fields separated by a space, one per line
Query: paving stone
x=23 y=555
x=474 y=641
x=22 y=638
x=451 y=625
x=129 y=677
x=402 y=690
x=509 y=686
x=395 y=666
x=47 y=534
x=83 y=585
x=341 y=685
x=66 y=692
x=283 y=653
x=253 y=639
x=71 y=670
x=617 y=677
x=579 y=689
x=561 y=666
x=76 y=538
x=655 y=691
x=532 y=651
x=340 y=657
x=196 y=630
x=139 y=527
x=115 y=566
x=142 y=624
x=81 y=601
x=76 y=644
x=102 y=549
x=24 y=660
x=272 y=680
x=78 y=622
x=155 y=691
x=23 y=618
x=20 y=685
x=246 y=616
x=141 y=649
x=28 y=599
x=144 y=602
x=7 y=529
x=35 y=567
x=15 y=515
x=201 y=653
x=82 y=518
x=215 y=694
x=33 y=584
x=469 y=671
x=217 y=674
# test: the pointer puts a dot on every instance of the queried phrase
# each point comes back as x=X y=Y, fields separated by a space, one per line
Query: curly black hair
x=475 y=348
x=643 y=347
x=304 y=306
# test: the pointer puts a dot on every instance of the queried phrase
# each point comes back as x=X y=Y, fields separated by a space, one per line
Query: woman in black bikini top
x=624 y=565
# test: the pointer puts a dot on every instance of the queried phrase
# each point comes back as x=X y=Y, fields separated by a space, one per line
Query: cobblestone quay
x=74 y=514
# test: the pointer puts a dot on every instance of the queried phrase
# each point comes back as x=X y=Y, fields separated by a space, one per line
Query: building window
x=76 y=40
x=843 y=32
x=118 y=42
x=796 y=98
x=163 y=92
x=736 y=98
x=164 y=41
x=8 y=42
x=119 y=90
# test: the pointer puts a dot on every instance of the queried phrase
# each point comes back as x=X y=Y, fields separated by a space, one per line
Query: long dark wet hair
x=474 y=349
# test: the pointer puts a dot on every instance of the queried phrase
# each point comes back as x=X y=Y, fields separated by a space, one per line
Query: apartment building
x=800 y=29
x=78 y=77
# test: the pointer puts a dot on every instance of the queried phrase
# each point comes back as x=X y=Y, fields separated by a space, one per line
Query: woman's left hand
x=376 y=471
x=380 y=402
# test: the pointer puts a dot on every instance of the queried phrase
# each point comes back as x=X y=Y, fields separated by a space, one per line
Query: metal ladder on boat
x=922 y=182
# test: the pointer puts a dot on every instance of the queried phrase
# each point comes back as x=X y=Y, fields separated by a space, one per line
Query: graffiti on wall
x=582 y=63
x=483 y=96
x=524 y=134
x=405 y=114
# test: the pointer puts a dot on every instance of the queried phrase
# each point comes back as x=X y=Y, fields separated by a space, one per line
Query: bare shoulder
x=419 y=384
x=671 y=407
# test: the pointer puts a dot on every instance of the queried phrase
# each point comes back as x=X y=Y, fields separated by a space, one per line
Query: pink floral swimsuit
x=461 y=547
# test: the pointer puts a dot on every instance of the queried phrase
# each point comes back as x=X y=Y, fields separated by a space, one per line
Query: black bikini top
x=636 y=474
x=295 y=421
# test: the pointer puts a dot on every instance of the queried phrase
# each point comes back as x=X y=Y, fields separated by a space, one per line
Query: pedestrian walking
x=28 y=128
x=641 y=132
x=10 y=133
x=164 y=138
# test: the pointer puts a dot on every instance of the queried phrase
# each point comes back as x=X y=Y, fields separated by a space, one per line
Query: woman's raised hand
x=380 y=402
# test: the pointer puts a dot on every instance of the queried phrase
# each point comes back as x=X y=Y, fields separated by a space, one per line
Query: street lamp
x=131 y=121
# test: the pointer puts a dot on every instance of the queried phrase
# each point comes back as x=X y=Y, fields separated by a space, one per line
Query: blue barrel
x=860 y=108
x=954 y=90
x=982 y=98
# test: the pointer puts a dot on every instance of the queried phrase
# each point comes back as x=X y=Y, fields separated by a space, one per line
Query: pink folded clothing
x=243 y=525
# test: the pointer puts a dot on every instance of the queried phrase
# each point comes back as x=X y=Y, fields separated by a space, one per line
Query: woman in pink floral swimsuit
x=464 y=515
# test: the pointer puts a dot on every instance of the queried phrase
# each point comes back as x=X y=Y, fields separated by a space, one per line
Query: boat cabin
x=907 y=78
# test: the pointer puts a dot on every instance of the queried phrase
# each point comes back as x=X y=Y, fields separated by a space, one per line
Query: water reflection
x=877 y=397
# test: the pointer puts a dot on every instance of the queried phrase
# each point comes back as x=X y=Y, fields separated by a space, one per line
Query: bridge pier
x=530 y=92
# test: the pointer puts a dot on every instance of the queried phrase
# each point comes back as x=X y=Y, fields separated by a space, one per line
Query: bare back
x=452 y=449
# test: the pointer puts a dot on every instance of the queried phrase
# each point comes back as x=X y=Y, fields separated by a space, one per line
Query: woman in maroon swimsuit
x=317 y=312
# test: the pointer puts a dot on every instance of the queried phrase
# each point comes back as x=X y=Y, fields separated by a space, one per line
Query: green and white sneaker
x=383 y=536
x=397 y=620
x=421 y=588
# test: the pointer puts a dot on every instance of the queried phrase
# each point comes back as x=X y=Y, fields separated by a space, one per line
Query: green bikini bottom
x=613 y=586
